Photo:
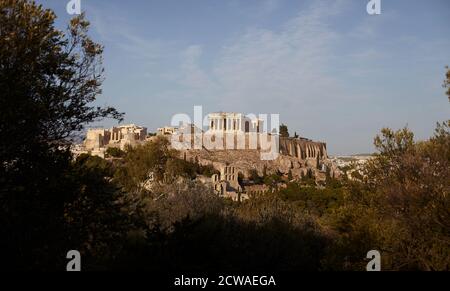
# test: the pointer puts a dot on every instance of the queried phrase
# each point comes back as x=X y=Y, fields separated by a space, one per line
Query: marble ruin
x=233 y=122
x=98 y=140
x=227 y=185
x=296 y=158
x=167 y=130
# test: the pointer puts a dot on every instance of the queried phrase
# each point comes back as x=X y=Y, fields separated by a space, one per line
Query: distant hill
x=362 y=154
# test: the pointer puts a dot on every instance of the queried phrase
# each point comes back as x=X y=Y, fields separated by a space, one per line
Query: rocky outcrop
x=298 y=156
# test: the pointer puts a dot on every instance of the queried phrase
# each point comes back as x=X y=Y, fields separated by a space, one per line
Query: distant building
x=98 y=140
x=233 y=122
x=227 y=184
x=167 y=130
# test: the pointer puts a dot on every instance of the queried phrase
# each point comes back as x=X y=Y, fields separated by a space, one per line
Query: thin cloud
x=264 y=66
x=114 y=30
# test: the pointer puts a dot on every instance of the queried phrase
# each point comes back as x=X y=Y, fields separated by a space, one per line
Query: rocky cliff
x=297 y=156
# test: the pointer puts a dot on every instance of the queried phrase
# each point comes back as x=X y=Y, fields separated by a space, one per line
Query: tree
x=290 y=177
x=446 y=84
x=284 y=130
x=255 y=177
x=94 y=221
x=408 y=182
x=115 y=152
x=141 y=161
x=273 y=179
x=48 y=80
x=401 y=208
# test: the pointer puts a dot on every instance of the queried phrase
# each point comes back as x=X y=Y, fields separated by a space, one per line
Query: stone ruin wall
x=297 y=156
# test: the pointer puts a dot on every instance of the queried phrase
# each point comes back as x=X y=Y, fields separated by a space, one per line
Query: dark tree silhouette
x=446 y=84
x=48 y=80
x=284 y=130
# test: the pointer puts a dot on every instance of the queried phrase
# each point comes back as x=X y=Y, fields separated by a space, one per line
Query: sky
x=331 y=71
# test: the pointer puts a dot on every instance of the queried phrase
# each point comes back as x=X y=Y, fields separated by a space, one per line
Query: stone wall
x=120 y=136
x=303 y=149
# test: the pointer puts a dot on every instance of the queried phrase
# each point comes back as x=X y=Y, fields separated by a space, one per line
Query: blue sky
x=332 y=72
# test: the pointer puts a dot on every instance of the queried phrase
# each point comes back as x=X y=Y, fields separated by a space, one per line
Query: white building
x=233 y=122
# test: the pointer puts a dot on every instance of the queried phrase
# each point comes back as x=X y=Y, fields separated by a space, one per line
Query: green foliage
x=115 y=152
x=446 y=84
x=157 y=160
x=309 y=178
x=313 y=200
x=169 y=204
x=47 y=78
x=273 y=179
x=391 y=144
x=48 y=81
x=142 y=161
x=178 y=167
x=255 y=177
x=196 y=230
x=205 y=170
x=402 y=206
x=93 y=217
x=284 y=130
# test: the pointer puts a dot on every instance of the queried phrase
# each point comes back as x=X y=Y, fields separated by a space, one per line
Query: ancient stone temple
x=241 y=140
x=99 y=139
x=119 y=136
x=227 y=185
x=234 y=144
x=233 y=122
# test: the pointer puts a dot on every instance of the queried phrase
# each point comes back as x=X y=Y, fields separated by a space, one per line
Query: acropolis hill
x=238 y=145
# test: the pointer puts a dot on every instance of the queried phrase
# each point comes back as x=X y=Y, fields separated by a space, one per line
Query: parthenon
x=233 y=122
